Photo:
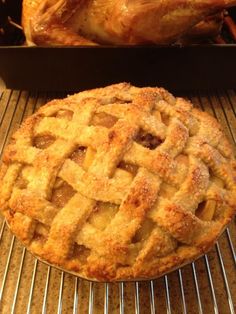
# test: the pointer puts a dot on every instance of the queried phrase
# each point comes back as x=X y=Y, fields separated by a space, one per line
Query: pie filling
x=148 y=140
x=206 y=210
x=44 y=141
x=144 y=231
x=78 y=155
x=64 y=114
x=103 y=119
x=102 y=215
x=21 y=182
x=61 y=193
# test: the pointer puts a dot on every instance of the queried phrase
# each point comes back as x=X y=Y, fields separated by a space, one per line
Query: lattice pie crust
x=118 y=183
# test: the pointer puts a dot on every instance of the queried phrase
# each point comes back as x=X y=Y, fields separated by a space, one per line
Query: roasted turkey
x=88 y=22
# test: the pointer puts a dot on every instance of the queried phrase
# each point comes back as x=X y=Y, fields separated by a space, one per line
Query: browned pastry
x=76 y=22
x=118 y=183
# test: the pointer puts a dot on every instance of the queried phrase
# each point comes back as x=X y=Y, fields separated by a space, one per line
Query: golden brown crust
x=44 y=25
x=152 y=188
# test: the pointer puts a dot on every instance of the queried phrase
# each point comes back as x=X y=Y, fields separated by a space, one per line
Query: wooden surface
x=34 y=286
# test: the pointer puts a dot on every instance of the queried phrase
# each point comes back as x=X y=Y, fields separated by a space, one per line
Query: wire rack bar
x=32 y=286
x=59 y=307
x=226 y=103
x=231 y=94
x=2 y=229
x=18 y=280
x=91 y=297
x=197 y=289
x=7 y=267
x=106 y=298
x=8 y=128
x=137 y=305
x=76 y=297
x=231 y=305
x=211 y=285
x=152 y=297
x=121 y=296
x=45 y=295
x=4 y=105
x=231 y=245
x=167 y=294
x=182 y=291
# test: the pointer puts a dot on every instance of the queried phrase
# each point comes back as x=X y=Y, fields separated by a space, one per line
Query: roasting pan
x=176 y=67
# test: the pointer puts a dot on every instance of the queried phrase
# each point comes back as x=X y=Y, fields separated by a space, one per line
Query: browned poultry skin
x=78 y=22
x=207 y=29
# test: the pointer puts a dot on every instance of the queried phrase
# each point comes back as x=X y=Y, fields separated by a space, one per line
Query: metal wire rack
x=208 y=285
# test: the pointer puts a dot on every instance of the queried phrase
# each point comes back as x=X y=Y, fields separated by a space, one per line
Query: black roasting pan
x=203 y=66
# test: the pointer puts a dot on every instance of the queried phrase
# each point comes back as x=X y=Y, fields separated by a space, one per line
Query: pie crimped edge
x=193 y=159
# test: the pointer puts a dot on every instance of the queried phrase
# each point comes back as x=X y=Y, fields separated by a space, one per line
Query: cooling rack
x=28 y=286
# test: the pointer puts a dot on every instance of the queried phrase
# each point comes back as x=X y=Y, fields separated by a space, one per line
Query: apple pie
x=118 y=183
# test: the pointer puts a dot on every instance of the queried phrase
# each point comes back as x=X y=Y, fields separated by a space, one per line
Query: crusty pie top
x=118 y=183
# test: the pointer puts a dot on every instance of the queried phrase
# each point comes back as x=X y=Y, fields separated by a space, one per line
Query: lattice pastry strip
x=180 y=223
x=29 y=203
x=96 y=187
x=46 y=166
x=147 y=122
x=159 y=243
x=158 y=162
x=111 y=152
x=61 y=223
x=215 y=161
x=66 y=224
x=142 y=194
x=9 y=175
x=196 y=184
x=22 y=226
x=129 y=218
x=118 y=183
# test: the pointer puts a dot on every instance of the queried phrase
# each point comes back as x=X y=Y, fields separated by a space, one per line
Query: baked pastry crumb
x=118 y=183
